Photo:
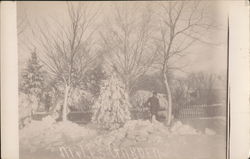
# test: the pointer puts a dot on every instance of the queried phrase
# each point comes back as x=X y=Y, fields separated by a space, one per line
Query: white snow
x=181 y=129
x=209 y=132
x=27 y=104
x=48 y=135
x=111 y=110
x=132 y=132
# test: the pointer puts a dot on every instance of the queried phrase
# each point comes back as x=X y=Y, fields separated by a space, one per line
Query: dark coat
x=153 y=104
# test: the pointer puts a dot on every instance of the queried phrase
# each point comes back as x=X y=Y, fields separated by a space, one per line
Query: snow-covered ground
x=140 y=139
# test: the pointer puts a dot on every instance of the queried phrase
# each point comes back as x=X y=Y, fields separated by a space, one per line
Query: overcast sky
x=203 y=57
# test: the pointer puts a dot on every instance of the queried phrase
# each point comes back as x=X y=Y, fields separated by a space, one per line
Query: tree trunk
x=169 y=95
x=65 y=103
x=127 y=87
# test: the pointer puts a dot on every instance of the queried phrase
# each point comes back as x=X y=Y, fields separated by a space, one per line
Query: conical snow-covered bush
x=111 y=110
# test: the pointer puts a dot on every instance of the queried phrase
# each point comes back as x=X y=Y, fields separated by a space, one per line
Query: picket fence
x=200 y=111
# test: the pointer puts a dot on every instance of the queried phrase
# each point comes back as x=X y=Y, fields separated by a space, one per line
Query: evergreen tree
x=32 y=78
x=111 y=110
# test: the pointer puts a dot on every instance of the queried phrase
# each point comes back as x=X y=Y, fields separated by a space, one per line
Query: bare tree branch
x=129 y=43
x=181 y=26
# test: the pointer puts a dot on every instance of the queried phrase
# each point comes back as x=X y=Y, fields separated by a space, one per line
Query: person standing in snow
x=154 y=106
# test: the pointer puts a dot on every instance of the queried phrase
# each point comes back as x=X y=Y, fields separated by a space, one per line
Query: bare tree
x=22 y=22
x=179 y=92
x=181 y=24
x=127 y=40
x=204 y=87
x=67 y=50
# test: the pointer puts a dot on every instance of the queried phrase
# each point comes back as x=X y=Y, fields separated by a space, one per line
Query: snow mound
x=133 y=131
x=209 y=132
x=49 y=135
x=181 y=129
x=140 y=130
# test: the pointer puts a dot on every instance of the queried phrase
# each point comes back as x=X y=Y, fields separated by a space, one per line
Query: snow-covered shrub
x=111 y=110
x=80 y=100
x=27 y=104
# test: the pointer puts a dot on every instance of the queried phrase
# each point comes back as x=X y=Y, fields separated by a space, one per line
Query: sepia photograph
x=123 y=79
